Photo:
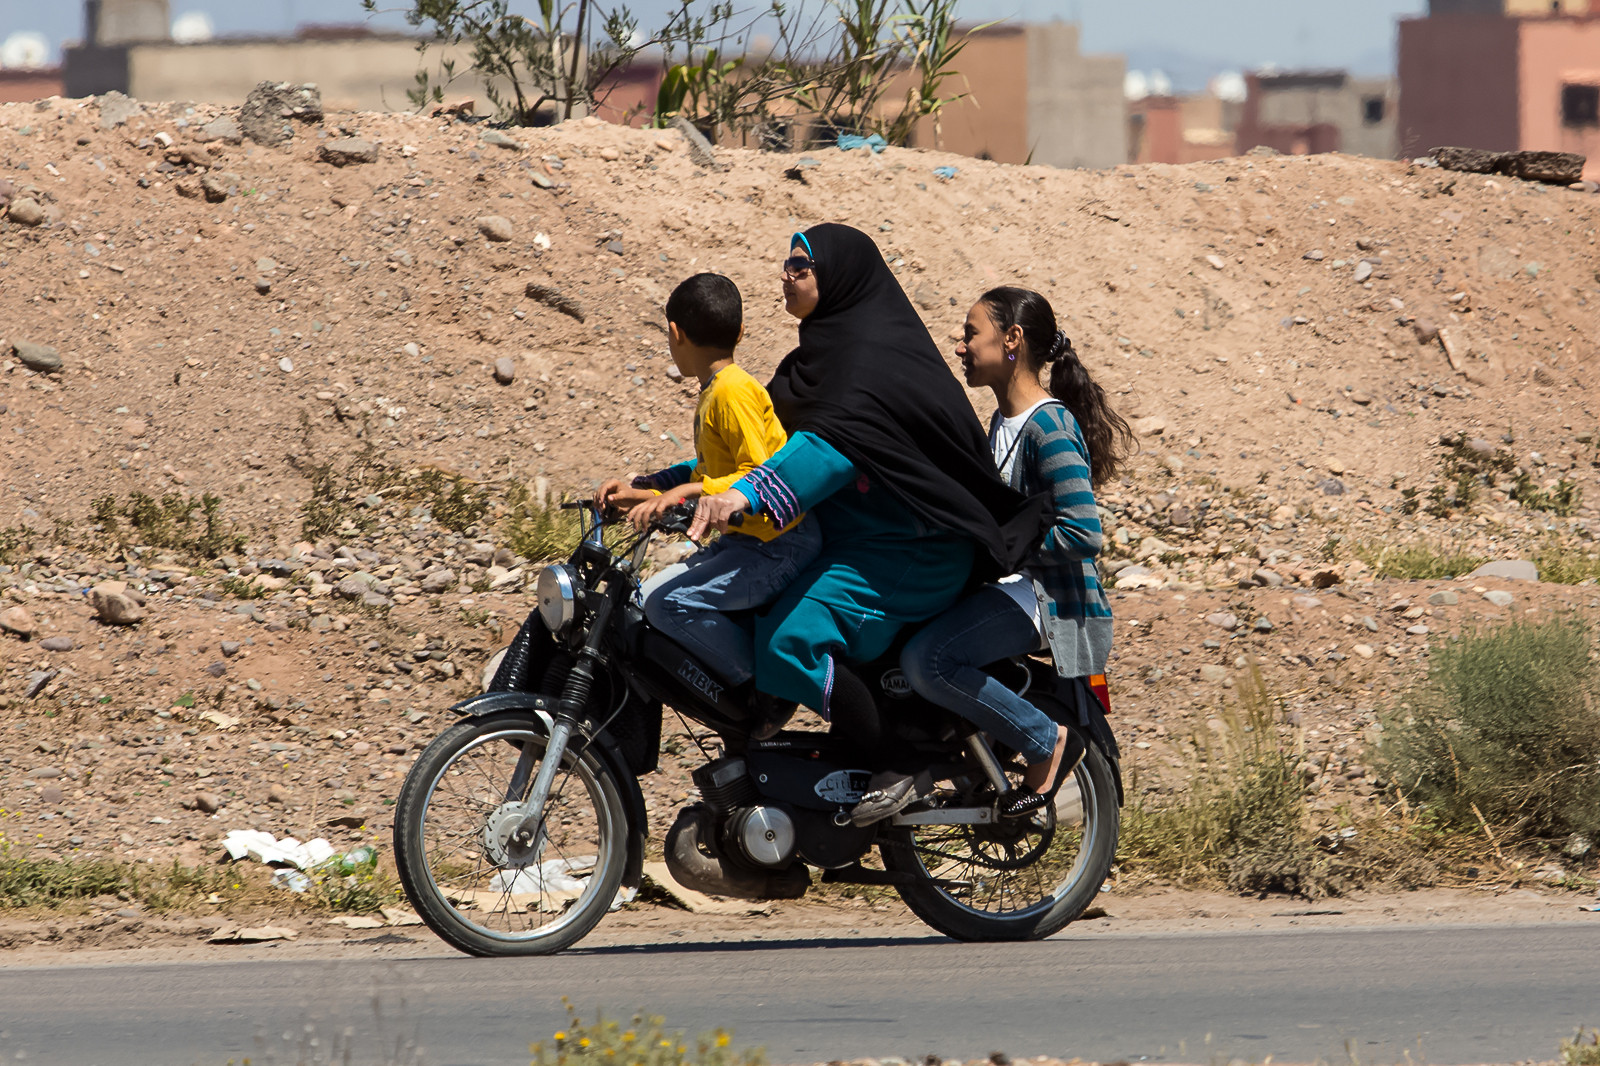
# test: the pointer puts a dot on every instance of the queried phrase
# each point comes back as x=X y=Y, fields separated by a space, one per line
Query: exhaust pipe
x=693 y=862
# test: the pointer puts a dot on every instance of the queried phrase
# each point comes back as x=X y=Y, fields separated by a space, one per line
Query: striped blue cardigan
x=1052 y=457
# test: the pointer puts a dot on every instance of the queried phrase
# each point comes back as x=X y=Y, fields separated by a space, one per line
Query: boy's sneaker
x=888 y=793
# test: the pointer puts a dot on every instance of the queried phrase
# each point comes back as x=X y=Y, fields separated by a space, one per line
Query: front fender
x=488 y=703
x=494 y=702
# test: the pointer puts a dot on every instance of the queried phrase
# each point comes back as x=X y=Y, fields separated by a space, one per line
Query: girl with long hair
x=1061 y=441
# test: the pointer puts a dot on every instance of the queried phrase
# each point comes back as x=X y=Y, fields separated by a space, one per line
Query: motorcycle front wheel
x=1019 y=879
x=459 y=858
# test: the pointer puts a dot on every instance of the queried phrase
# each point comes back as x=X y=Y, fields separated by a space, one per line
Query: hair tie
x=1060 y=346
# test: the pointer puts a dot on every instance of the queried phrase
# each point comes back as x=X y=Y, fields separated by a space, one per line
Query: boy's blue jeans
x=688 y=601
x=943 y=664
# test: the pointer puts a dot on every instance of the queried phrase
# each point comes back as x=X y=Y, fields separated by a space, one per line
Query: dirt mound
x=1293 y=337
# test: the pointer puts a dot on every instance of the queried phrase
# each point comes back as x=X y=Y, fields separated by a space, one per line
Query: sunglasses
x=798 y=265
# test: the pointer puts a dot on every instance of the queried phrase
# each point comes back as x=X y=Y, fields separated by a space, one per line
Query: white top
x=1003 y=437
x=1003 y=434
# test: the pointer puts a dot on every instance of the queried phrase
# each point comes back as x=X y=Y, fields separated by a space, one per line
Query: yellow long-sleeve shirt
x=735 y=431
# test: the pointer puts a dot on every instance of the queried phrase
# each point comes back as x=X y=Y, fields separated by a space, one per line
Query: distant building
x=127 y=47
x=1502 y=77
x=1514 y=8
x=1311 y=111
x=1181 y=129
x=24 y=85
x=1032 y=95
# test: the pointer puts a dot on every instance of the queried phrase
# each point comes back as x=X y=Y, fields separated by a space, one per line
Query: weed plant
x=1504 y=731
x=359 y=888
x=1562 y=563
x=538 y=531
x=454 y=501
x=1417 y=561
x=26 y=881
x=14 y=543
x=1579 y=1051
x=644 y=1042
x=175 y=521
x=1241 y=820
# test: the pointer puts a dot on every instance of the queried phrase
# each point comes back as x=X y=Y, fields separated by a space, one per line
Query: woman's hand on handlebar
x=647 y=512
x=713 y=512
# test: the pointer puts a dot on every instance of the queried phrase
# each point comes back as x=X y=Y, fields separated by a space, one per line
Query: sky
x=1189 y=39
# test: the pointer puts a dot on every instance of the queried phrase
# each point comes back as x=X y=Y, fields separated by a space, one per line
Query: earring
x=1011 y=357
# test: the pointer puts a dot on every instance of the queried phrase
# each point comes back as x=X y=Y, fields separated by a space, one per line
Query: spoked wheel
x=1019 y=879
x=459 y=857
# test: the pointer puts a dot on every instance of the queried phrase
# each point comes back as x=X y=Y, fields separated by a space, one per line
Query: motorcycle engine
x=764 y=835
x=760 y=833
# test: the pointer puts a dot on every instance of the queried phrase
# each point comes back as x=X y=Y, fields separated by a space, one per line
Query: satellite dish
x=1135 y=86
x=193 y=27
x=1229 y=87
x=25 y=51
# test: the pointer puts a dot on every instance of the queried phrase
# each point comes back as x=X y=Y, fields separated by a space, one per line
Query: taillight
x=1102 y=691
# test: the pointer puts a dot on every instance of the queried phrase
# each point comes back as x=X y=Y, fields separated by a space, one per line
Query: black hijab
x=868 y=379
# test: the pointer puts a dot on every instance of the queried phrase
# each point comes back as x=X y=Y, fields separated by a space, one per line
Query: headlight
x=558 y=601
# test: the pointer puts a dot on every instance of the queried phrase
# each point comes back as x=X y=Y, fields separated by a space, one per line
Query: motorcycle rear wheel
x=1020 y=880
x=456 y=853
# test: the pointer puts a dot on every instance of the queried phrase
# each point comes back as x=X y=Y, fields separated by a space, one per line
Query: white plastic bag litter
x=553 y=875
x=262 y=846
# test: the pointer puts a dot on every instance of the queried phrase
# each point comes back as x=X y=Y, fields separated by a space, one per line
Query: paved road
x=1447 y=994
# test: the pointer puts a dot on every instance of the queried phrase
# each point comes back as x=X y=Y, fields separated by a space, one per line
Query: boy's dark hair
x=708 y=309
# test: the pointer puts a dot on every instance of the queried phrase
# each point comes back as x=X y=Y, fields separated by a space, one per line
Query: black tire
x=978 y=882
x=451 y=838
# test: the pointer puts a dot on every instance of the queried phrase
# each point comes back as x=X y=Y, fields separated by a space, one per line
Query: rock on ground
x=114 y=606
x=40 y=357
x=26 y=211
x=495 y=227
x=1509 y=569
x=348 y=151
x=116 y=109
x=17 y=620
x=554 y=299
x=269 y=107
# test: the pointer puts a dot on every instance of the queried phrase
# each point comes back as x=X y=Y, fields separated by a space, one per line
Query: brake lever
x=675 y=519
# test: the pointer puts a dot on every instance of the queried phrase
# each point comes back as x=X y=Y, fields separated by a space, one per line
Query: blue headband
x=800 y=238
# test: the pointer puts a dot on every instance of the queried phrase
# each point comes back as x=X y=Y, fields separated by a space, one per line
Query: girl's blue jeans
x=943 y=664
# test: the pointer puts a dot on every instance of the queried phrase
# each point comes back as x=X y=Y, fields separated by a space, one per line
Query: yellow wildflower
x=722 y=1039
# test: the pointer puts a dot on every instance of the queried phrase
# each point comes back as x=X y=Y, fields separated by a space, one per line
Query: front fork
x=569 y=712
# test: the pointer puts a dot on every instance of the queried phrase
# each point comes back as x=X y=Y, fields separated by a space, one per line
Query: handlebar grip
x=736 y=518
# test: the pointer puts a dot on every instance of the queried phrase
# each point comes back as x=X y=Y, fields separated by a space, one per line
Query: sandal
x=1025 y=799
x=888 y=793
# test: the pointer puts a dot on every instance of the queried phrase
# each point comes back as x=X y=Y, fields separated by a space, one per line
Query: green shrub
x=540 y=531
x=1241 y=818
x=645 y=1042
x=1417 y=561
x=14 y=542
x=38 y=882
x=169 y=522
x=454 y=501
x=1565 y=564
x=1561 y=499
x=1504 y=730
x=1580 y=1052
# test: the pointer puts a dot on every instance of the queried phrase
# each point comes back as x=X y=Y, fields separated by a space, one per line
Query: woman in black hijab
x=886 y=453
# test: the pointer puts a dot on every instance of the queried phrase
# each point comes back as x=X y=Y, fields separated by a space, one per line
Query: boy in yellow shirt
x=735 y=430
